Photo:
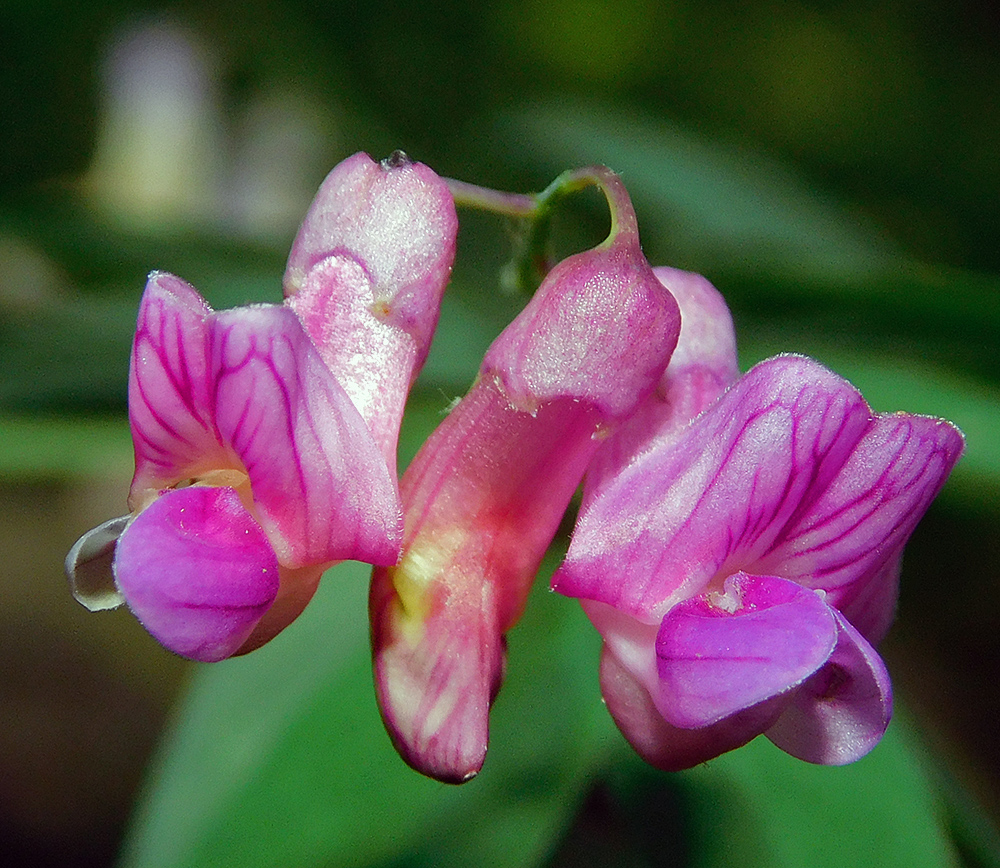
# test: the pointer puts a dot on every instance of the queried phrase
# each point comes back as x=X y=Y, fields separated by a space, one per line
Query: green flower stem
x=509 y=204
x=532 y=259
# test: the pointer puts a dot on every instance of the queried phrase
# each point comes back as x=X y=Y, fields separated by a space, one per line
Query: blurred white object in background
x=172 y=151
x=159 y=151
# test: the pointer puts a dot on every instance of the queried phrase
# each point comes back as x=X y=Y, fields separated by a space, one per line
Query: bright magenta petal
x=321 y=488
x=170 y=394
x=717 y=498
x=729 y=650
x=856 y=528
x=667 y=747
x=842 y=711
x=197 y=571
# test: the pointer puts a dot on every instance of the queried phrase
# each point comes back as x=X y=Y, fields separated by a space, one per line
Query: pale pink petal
x=484 y=498
x=88 y=566
x=599 y=330
x=397 y=218
x=366 y=275
x=841 y=712
x=707 y=341
x=667 y=747
x=716 y=499
x=321 y=488
x=170 y=397
x=631 y=641
x=702 y=366
x=374 y=361
x=857 y=526
x=728 y=650
x=197 y=571
x=435 y=677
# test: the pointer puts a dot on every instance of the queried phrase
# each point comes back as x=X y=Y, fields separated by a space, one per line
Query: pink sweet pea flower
x=255 y=470
x=485 y=494
x=742 y=563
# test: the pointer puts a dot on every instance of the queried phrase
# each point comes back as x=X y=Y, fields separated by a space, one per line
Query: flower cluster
x=737 y=546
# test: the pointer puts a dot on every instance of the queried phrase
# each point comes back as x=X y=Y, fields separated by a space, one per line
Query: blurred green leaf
x=949 y=317
x=66 y=355
x=718 y=200
x=62 y=447
x=99 y=252
x=279 y=758
x=758 y=806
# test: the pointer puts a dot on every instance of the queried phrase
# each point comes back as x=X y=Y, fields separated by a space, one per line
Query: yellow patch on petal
x=423 y=562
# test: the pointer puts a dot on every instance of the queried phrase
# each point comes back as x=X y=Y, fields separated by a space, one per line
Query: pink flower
x=741 y=560
x=255 y=469
x=485 y=494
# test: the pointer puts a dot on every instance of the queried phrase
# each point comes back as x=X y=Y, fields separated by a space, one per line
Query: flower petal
x=707 y=341
x=856 y=529
x=717 y=498
x=397 y=218
x=724 y=652
x=841 y=712
x=672 y=748
x=485 y=494
x=170 y=398
x=872 y=604
x=484 y=498
x=598 y=330
x=197 y=571
x=436 y=676
x=321 y=488
x=372 y=360
x=88 y=566
x=702 y=366
x=366 y=274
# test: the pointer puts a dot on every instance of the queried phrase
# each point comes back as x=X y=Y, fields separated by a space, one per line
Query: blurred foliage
x=243 y=784
x=831 y=166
